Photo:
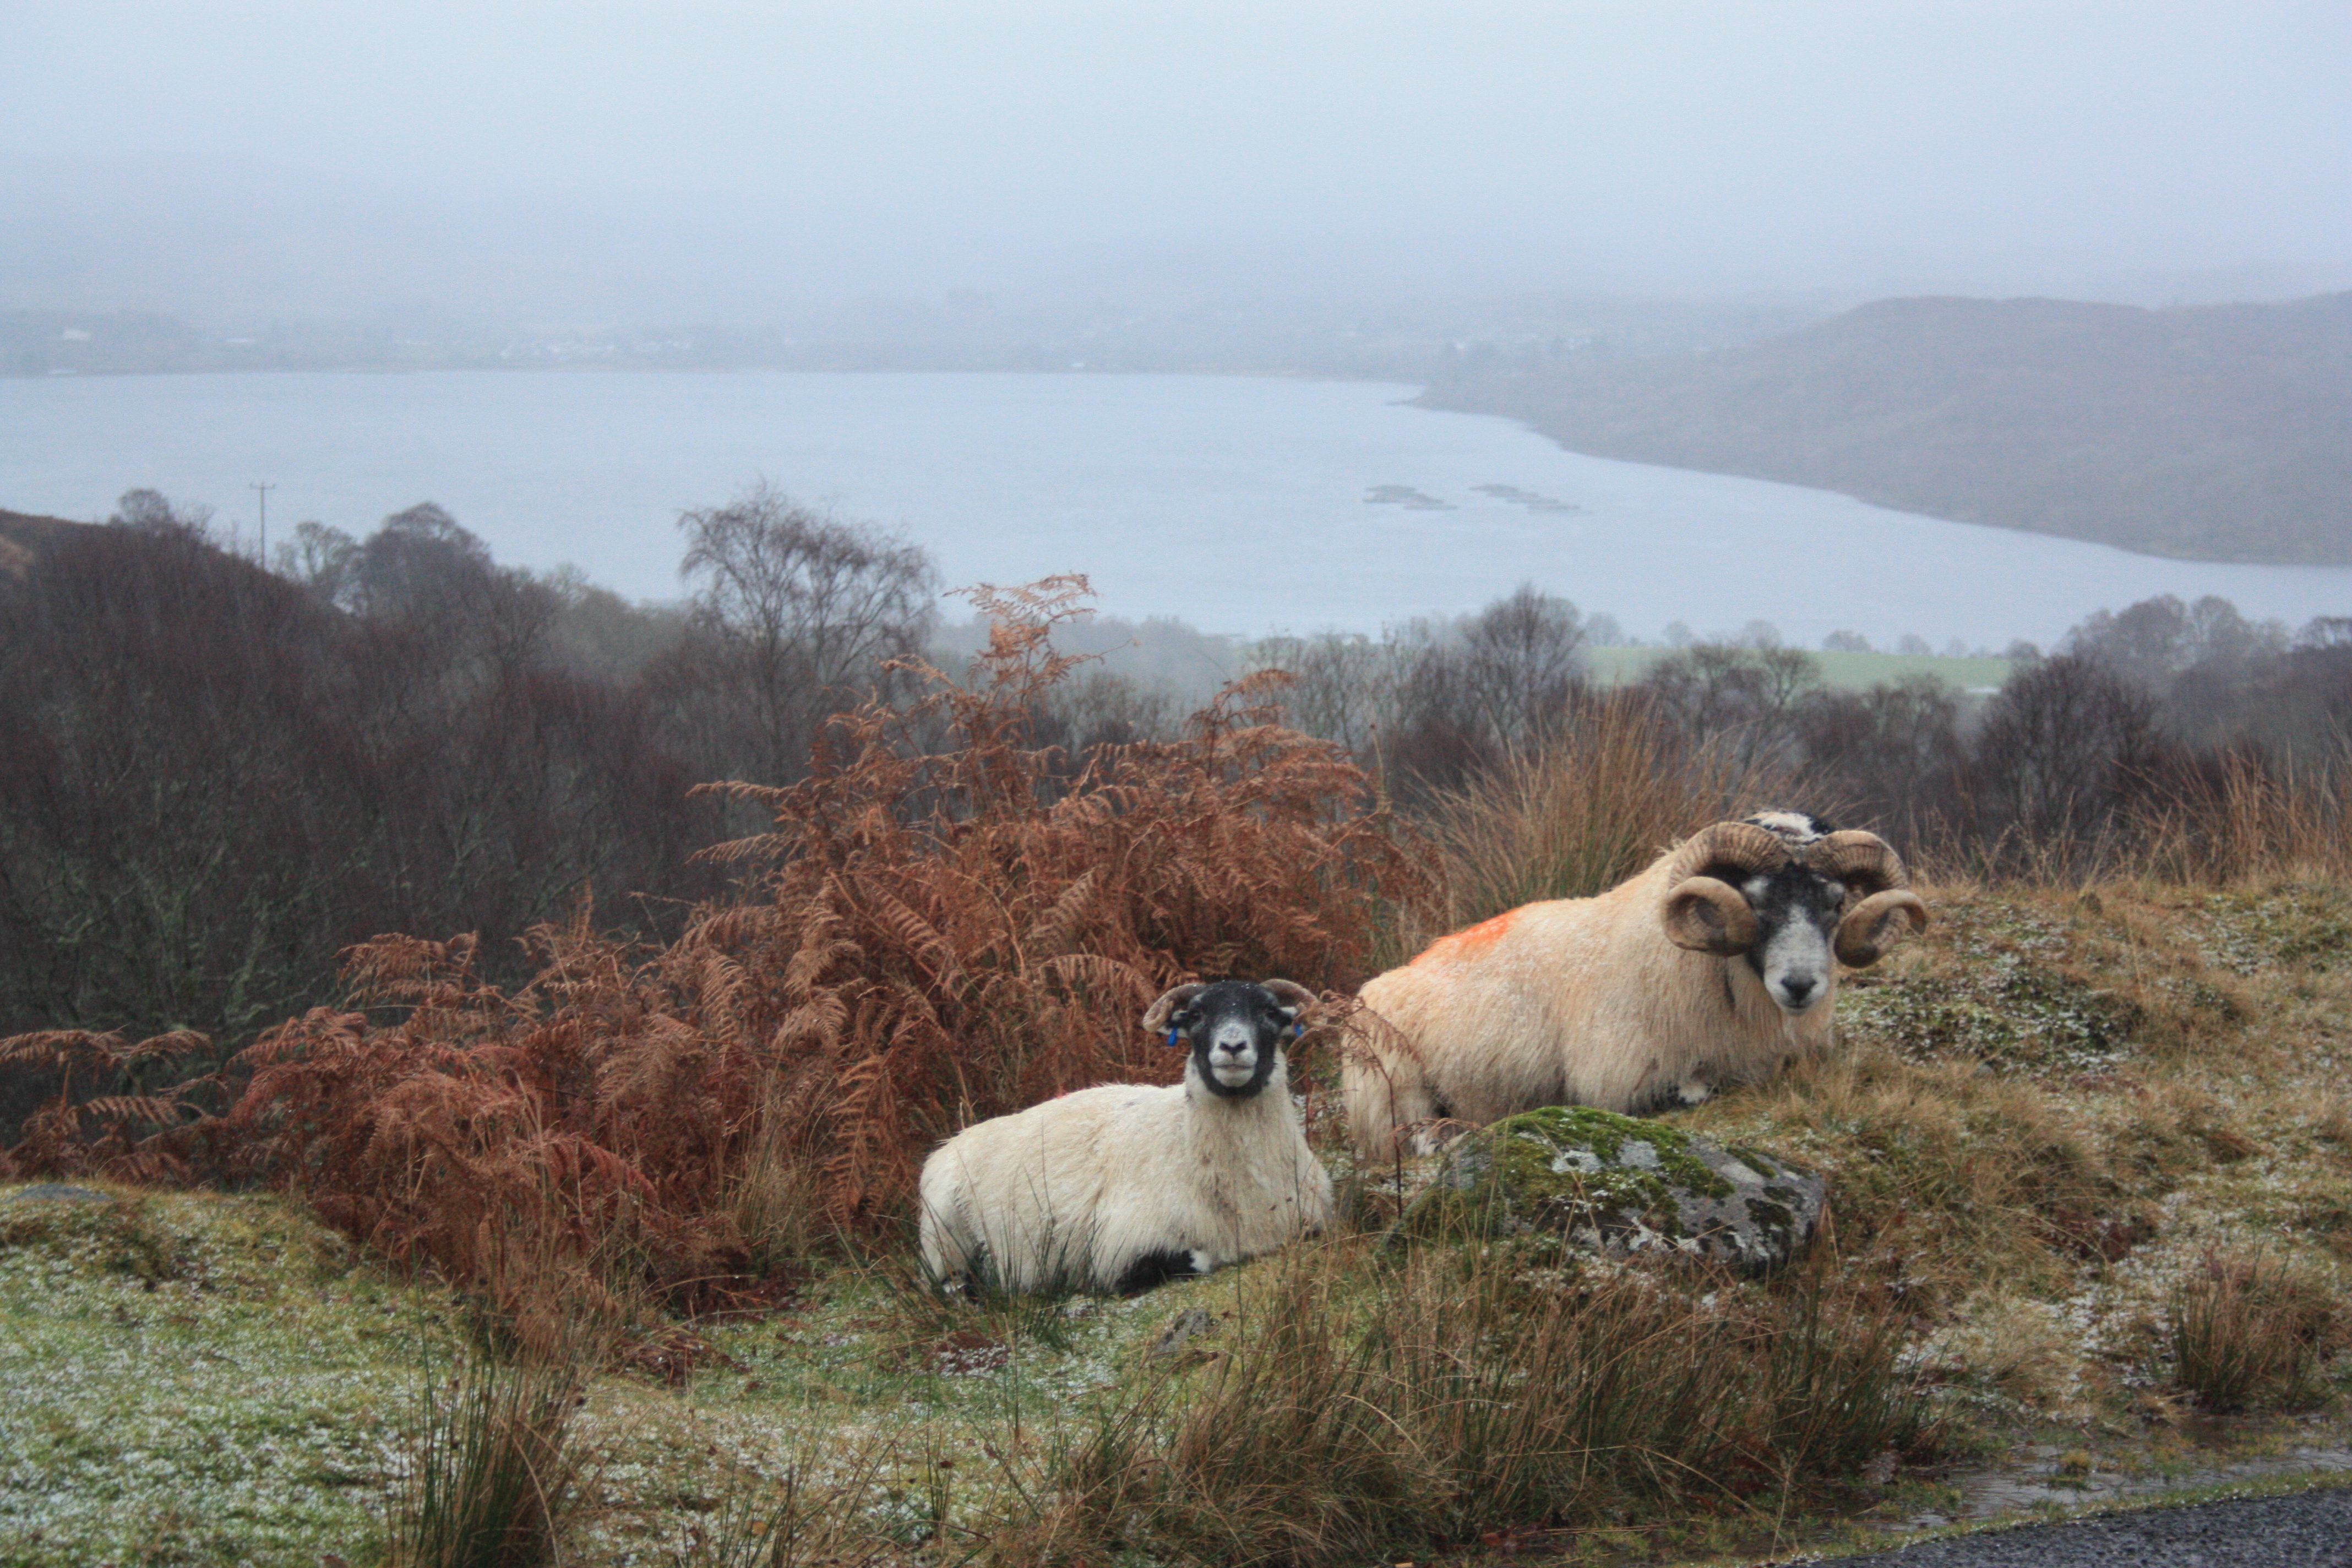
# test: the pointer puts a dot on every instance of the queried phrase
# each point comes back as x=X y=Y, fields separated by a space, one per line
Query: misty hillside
x=2216 y=432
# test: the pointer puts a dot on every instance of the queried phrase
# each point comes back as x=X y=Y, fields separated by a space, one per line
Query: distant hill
x=2216 y=432
x=23 y=537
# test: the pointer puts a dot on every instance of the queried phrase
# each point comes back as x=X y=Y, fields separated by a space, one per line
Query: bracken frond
x=945 y=920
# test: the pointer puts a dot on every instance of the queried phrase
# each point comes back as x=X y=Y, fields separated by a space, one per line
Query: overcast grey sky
x=774 y=154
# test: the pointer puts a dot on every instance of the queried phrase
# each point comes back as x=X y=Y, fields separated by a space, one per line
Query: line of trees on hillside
x=215 y=777
x=2134 y=708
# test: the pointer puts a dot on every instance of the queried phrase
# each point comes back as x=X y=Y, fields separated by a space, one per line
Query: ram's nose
x=1796 y=992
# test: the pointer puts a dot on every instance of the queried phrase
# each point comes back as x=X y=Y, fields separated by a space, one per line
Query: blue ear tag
x=1172 y=1033
x=1297 y=1031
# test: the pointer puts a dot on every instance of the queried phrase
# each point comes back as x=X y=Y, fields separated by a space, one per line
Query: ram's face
x=1796 y=918
x=1235 y=1031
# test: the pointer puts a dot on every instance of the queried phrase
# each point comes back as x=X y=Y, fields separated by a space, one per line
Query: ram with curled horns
x=1715 y=965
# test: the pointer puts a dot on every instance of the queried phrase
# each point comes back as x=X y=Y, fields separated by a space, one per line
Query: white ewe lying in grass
x=1123 y=1185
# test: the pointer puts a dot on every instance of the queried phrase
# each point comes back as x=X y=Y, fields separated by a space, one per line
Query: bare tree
x=320 y=559
x=211 y=781
x=1746 y=695
x=2146 y=643
x=2059 y=745
x=1522 y=657
x=795 y=614
x=1350 y=687
x=1889 y=754
x=149 y=512
x=421 y=571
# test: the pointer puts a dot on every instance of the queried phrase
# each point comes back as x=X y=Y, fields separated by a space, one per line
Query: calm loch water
x=1239 y=504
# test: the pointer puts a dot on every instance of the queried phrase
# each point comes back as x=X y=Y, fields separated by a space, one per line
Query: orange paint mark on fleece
x=1464 y=942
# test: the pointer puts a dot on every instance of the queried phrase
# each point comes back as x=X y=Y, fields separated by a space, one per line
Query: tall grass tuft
x=493 y=1472
x=1609 y=788
x=1369 y=1402
x=2244 y=1329
x=2249 y=818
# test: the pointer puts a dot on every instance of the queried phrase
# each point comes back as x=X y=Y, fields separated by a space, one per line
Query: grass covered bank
x=2091 y=1167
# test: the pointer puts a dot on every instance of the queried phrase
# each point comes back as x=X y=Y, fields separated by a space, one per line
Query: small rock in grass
x=1182 y=1329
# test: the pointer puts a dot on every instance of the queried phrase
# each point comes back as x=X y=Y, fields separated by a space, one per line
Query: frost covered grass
x=2055 y=1114
x=195 y=1379
x=202 y=1379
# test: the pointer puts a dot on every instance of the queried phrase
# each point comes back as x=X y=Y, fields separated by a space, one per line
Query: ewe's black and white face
x=1235 y=1030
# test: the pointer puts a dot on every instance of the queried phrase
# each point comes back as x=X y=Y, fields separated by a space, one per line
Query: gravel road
x=2308 y=1530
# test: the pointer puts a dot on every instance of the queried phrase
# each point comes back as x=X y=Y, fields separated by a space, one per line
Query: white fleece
x=1568 y=1002
x=1074 y=1191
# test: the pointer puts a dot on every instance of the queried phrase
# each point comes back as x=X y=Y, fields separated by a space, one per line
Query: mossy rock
x=1610 y=1183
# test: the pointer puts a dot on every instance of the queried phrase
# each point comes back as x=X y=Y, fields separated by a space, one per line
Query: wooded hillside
x=2218 y=433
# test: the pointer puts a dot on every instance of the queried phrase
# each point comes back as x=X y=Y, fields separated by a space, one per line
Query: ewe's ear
x=1875 y=925
x=1156 y=1016
x=1709 y=916
x=1295 y=998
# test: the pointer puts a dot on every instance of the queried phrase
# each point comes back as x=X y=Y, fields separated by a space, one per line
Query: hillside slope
x=2216 y=432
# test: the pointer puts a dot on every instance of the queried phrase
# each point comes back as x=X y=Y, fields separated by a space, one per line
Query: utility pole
x=263 y=491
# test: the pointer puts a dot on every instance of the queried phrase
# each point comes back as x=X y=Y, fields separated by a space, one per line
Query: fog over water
x=1322 y=186
x=744 y=161
x=1237 y=504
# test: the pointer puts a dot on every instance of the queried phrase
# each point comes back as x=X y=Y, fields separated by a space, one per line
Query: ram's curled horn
x=1861 y=860
x=1709 y=916
x=1739 y=847
x=1156 y=1016
x=1877 y=924
x=1704 y=911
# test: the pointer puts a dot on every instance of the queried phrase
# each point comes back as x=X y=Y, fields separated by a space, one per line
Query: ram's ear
x=1295 y=998
x=1874 y=926
x=1709 y=916
x=1156 y=1016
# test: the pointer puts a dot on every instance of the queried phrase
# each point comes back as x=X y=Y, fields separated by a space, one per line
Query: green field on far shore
x=1845 y=672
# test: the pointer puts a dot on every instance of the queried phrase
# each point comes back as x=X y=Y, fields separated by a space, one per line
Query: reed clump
x=2244 y=1329
x=1370 y=1400
x=1608 y=786
x=492 y=1472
